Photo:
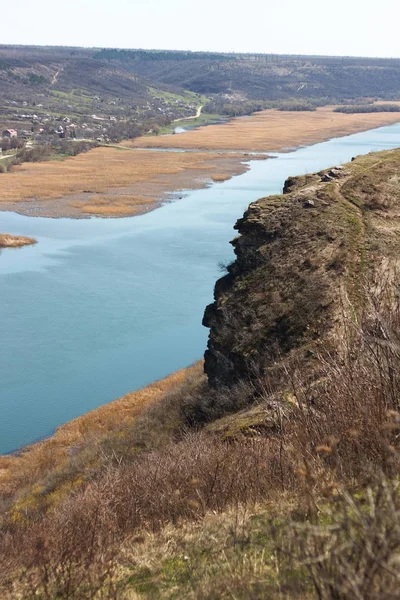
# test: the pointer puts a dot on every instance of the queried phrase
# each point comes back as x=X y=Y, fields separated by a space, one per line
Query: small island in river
x=15 y=241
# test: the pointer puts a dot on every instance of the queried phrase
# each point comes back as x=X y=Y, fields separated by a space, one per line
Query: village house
x=10 y=133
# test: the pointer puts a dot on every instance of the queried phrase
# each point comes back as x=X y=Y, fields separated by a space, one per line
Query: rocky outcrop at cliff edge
x=298 y=256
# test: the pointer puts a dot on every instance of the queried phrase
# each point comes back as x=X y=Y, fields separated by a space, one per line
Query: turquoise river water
x=100 y=307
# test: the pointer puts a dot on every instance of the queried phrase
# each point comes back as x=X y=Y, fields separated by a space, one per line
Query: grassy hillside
x=276 y=477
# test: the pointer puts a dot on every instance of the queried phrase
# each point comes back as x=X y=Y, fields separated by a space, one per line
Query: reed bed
x=272 y=131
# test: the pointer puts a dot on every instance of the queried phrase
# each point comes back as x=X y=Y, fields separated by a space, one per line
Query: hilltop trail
x=55 y=76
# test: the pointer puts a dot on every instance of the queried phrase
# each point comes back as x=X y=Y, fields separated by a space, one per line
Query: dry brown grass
x=220 y=178
x=272 y=131
x=109 y=181
x=15 y=241
x=114 y=205
x=36 y=460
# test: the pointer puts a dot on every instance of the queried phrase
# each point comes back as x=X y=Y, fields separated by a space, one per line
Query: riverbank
x=15 y=241
x=126 y=181
x=33 y=461
x=112 y=182
x=272 y=131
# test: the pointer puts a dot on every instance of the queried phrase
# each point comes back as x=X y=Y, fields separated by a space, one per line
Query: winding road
x=196 y=116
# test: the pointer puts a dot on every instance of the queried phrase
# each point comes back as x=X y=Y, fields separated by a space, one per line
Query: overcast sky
x=342 y=27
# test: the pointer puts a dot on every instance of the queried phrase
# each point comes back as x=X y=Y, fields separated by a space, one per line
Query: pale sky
x=341 y=27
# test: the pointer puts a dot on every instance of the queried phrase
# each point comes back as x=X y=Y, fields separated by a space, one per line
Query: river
x=100 y=307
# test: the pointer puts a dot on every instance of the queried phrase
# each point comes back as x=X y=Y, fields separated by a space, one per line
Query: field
x=272 y=131
x=110 y=182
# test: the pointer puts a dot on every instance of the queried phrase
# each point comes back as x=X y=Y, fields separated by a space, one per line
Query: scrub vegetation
x=277 y=478
x=368 y=108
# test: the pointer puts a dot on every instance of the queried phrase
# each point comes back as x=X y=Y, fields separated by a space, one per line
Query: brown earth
x=272 y=131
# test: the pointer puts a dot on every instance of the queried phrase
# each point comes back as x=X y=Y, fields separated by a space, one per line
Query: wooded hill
x=128 y=73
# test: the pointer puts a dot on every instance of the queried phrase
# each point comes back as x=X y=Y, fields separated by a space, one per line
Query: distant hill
x=264 y=76
x=42 y=85
x=128 y=73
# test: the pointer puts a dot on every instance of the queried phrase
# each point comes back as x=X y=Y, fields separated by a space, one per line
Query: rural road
x=196 y=116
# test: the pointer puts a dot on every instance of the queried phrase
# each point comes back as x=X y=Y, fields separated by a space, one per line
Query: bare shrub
x=351 y=548
x=34 y=154
x=71 y=550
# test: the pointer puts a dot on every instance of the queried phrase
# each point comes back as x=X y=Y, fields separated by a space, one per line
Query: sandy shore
x=272 y=131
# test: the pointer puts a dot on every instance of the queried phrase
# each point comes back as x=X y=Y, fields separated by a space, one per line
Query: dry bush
x=220 y=178
x=348 y=420
x=71 y=551
x=34 y=154
x=68 y=556
x=347 y=434
x=351 y=548
x=14 y=241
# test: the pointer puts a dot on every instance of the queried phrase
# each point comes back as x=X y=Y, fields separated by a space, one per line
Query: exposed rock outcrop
x=301 y=260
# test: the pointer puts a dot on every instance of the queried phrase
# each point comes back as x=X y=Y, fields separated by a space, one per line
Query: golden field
x=109 y=181
x=272 y=131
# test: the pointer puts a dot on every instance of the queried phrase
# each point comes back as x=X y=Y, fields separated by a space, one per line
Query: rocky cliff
x=303 y=261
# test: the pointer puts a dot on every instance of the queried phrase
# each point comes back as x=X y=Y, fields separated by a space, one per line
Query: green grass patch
x=202 y=120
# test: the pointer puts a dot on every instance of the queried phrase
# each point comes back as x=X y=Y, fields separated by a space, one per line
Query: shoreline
x=165 y=176
x=140 y=176
x=52 y=450
x=62 y=434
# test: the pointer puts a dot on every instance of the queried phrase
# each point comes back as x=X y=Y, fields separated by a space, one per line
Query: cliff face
x=302 y=260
